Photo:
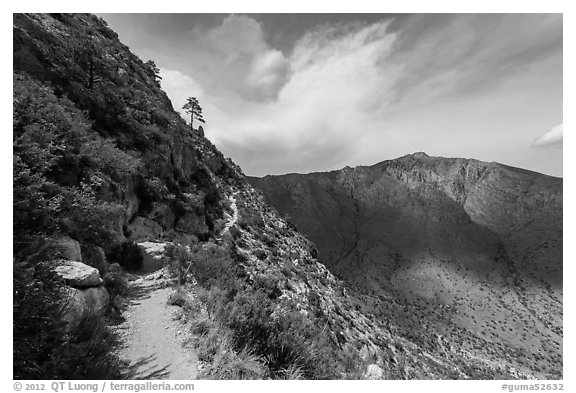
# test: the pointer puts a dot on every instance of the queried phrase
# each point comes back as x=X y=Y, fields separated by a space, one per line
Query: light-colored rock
x=373 y=371
x=155 y=249
x=154 y=276
x=152 y=253
x=77 y=274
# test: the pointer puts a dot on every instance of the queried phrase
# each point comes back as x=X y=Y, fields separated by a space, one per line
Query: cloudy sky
x=301 y=93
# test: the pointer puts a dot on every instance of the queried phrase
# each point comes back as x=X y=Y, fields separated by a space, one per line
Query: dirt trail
x=152 y=339
x=231 y=219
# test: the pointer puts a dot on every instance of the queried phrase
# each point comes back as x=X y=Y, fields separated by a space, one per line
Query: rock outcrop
x=84 y=296
x=373 y=371
x=77 y=274
x=61 y=247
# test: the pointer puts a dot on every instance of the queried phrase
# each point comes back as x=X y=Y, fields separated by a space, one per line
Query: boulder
x=94 y=256
x=62 y=247
x=97 y=299
x=74 y=307
x=68 y=248
x=78 y=304
x=77 y=274
x=143 y=228
x=373 y=371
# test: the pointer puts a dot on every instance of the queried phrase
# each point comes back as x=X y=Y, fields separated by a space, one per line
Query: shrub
x=288 y=268
x=269 y=284
x=285 y=337
x=179 y=298
x=227 y=364
x=115 y=283
x=177 y=259
x=60 y=166
x=268 y=240
x=201 y=326
x=127 y=254
x=214 y=299
x=213 y=266
x=250 y=219
x=235 y=232
x=42 y=350
x=260 y=254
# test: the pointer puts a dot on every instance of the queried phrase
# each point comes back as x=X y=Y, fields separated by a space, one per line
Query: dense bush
x=42 y=350
x=213 y=266
x=60 y=166
x=235 y=232
x=115 y=282
x=61 y=171
x=127 y=254
x=177 y=260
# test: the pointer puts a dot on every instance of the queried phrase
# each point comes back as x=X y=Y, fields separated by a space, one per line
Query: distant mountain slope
x=483 y=241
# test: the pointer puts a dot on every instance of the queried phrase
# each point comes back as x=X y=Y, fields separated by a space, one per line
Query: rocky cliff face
x=473 y=247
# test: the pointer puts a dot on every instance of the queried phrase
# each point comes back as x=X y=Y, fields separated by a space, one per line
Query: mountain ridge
x=417 y=154
x=432 y=230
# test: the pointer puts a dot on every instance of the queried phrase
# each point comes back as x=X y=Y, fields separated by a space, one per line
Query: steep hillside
x=173 y=190
x=470 y=246
x=102 y=160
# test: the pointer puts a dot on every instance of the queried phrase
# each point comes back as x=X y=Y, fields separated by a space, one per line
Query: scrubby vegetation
x=41 y=350
x=246 y=331
x=127 y=254
x=60 y=166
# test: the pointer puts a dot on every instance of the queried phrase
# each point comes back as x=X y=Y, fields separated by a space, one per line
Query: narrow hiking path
x=154 y=343
x=232 y=219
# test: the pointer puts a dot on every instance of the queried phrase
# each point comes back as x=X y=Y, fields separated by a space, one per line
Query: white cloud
x=336 y=90
x=240 y=59
x=554 y=137
x=237 y=35
x=328 y=92
x=268 y=73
